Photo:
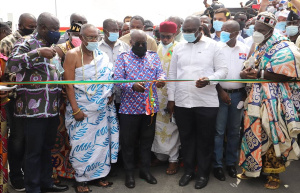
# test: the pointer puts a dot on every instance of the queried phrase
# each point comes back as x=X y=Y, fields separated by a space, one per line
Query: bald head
x=46 y=23
x=25 y=17
x=87 y=27
x=47 y=19
x=138 y=35
x=176 y=20
x=77 y=18
x=231 y=26
x=193 y=20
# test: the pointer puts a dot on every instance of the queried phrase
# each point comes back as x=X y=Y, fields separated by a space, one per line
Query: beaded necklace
x=96 y=76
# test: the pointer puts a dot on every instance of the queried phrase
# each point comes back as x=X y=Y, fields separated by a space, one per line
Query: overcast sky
x=98 y=10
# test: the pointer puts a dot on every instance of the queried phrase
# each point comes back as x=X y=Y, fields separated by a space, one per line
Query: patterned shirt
x=130 y=67
x=7 y=43
x=37 y=101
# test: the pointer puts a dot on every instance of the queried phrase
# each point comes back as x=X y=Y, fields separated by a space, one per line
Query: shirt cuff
x=33 y=54
x=212 y=77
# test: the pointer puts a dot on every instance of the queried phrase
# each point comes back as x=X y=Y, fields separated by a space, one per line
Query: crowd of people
x=172 y=96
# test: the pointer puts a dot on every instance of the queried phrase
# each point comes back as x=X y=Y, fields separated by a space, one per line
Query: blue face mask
x=190 y=37
x=91 y=46
x=167 y=46
x=281 y=26
x=53 y=37
x=113 y=36
x=225 y=36
x=217 y=25
x=292 y=30
x=250 y=31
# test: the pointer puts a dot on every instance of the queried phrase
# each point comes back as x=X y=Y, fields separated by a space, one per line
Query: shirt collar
x=118 y=42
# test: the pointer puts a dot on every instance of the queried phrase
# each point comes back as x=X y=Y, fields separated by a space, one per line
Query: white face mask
x=258 y=37
x=149 y=33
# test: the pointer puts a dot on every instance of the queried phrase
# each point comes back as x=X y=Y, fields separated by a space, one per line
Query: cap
x=75 y=27
x=168 y=26
x=267 y=18
x=148 y=25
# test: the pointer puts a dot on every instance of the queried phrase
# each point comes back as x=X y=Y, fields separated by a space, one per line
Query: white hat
x=284 y=13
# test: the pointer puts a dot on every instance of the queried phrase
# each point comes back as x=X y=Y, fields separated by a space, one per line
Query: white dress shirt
x=194 y=61
x=119 y=48
x=235 y=58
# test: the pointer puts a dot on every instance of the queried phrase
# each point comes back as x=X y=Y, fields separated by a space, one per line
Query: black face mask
x=139 y=51
x=26 y=31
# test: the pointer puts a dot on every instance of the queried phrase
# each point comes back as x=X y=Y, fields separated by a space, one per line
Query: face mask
x=218 y=25
x=53 y=37
x=149 y=33
x=190 y=37
x=76 y=41
x=258 y=37
x=280 y=8
x=167 y=46
x=281 y=26
x=250 y=31
x=27 y=31
x=225 y=36
x=91 y=46
x=139 y=51
x=292 y=30
x=113 y=36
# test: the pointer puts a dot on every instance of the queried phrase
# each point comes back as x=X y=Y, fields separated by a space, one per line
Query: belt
x=235 y=90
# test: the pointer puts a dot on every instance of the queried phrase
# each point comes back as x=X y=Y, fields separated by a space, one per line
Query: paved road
x=169 y=184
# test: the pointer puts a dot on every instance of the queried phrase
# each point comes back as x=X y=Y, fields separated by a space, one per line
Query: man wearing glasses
x=138 y=108
x=195 y=106
x=166 y=142
x=90 y=114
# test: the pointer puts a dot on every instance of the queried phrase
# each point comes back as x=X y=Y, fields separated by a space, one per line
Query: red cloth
x=168 y=26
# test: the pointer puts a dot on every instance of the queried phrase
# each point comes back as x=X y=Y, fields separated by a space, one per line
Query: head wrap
x=75 y=27
x=267 y=18
x=168 y=26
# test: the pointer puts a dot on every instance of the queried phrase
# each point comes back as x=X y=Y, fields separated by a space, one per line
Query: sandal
x=172 y=169
x=82 y=187
x=242 y=176
x=273 y=183
x=102 y=182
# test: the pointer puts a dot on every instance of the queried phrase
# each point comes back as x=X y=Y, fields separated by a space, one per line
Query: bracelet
x=37 y=50
x=262 y=76
x=76 y=112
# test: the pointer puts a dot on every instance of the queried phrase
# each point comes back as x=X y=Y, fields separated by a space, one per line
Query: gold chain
x=96 y=76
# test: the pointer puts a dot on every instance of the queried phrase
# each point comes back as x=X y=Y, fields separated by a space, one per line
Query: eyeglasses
x=165 y=36
x=92 y=38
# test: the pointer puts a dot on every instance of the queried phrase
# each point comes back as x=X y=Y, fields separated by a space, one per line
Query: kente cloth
x=272 y=109
x=3 y=143
x=60 y=153
x=166 y=132
x=95 y=140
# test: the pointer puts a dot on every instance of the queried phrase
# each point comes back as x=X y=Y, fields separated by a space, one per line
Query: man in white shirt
x=112 y=46
x=178 y=35
x=195 y=107
x=231 y=96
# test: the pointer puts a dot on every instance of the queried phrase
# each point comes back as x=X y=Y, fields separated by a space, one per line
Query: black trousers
x=16 y=143
x=197 y=133
x=133 y=129
x=40 y=136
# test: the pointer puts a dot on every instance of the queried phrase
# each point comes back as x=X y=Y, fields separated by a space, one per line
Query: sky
x=98 y=10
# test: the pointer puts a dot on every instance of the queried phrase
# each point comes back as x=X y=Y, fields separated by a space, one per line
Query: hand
x=170 y=107
x=224 y=96
x=139 y=87
x=64 y=92
x=47 y=52
x=249 y=73
x=202 y=82
x=160 y=84
x=3 y=94
x=80 y=116
x=110 y=99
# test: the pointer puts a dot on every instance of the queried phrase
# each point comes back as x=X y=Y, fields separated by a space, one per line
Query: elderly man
x=27 y=24
x=178 y=35
x=90 y=114
x=166 y=142
x=74 y=18
x=272 y=111
x=137 y=23
x=36 y=106
x=230 y=96
x=195 y=107
x=139 y=104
